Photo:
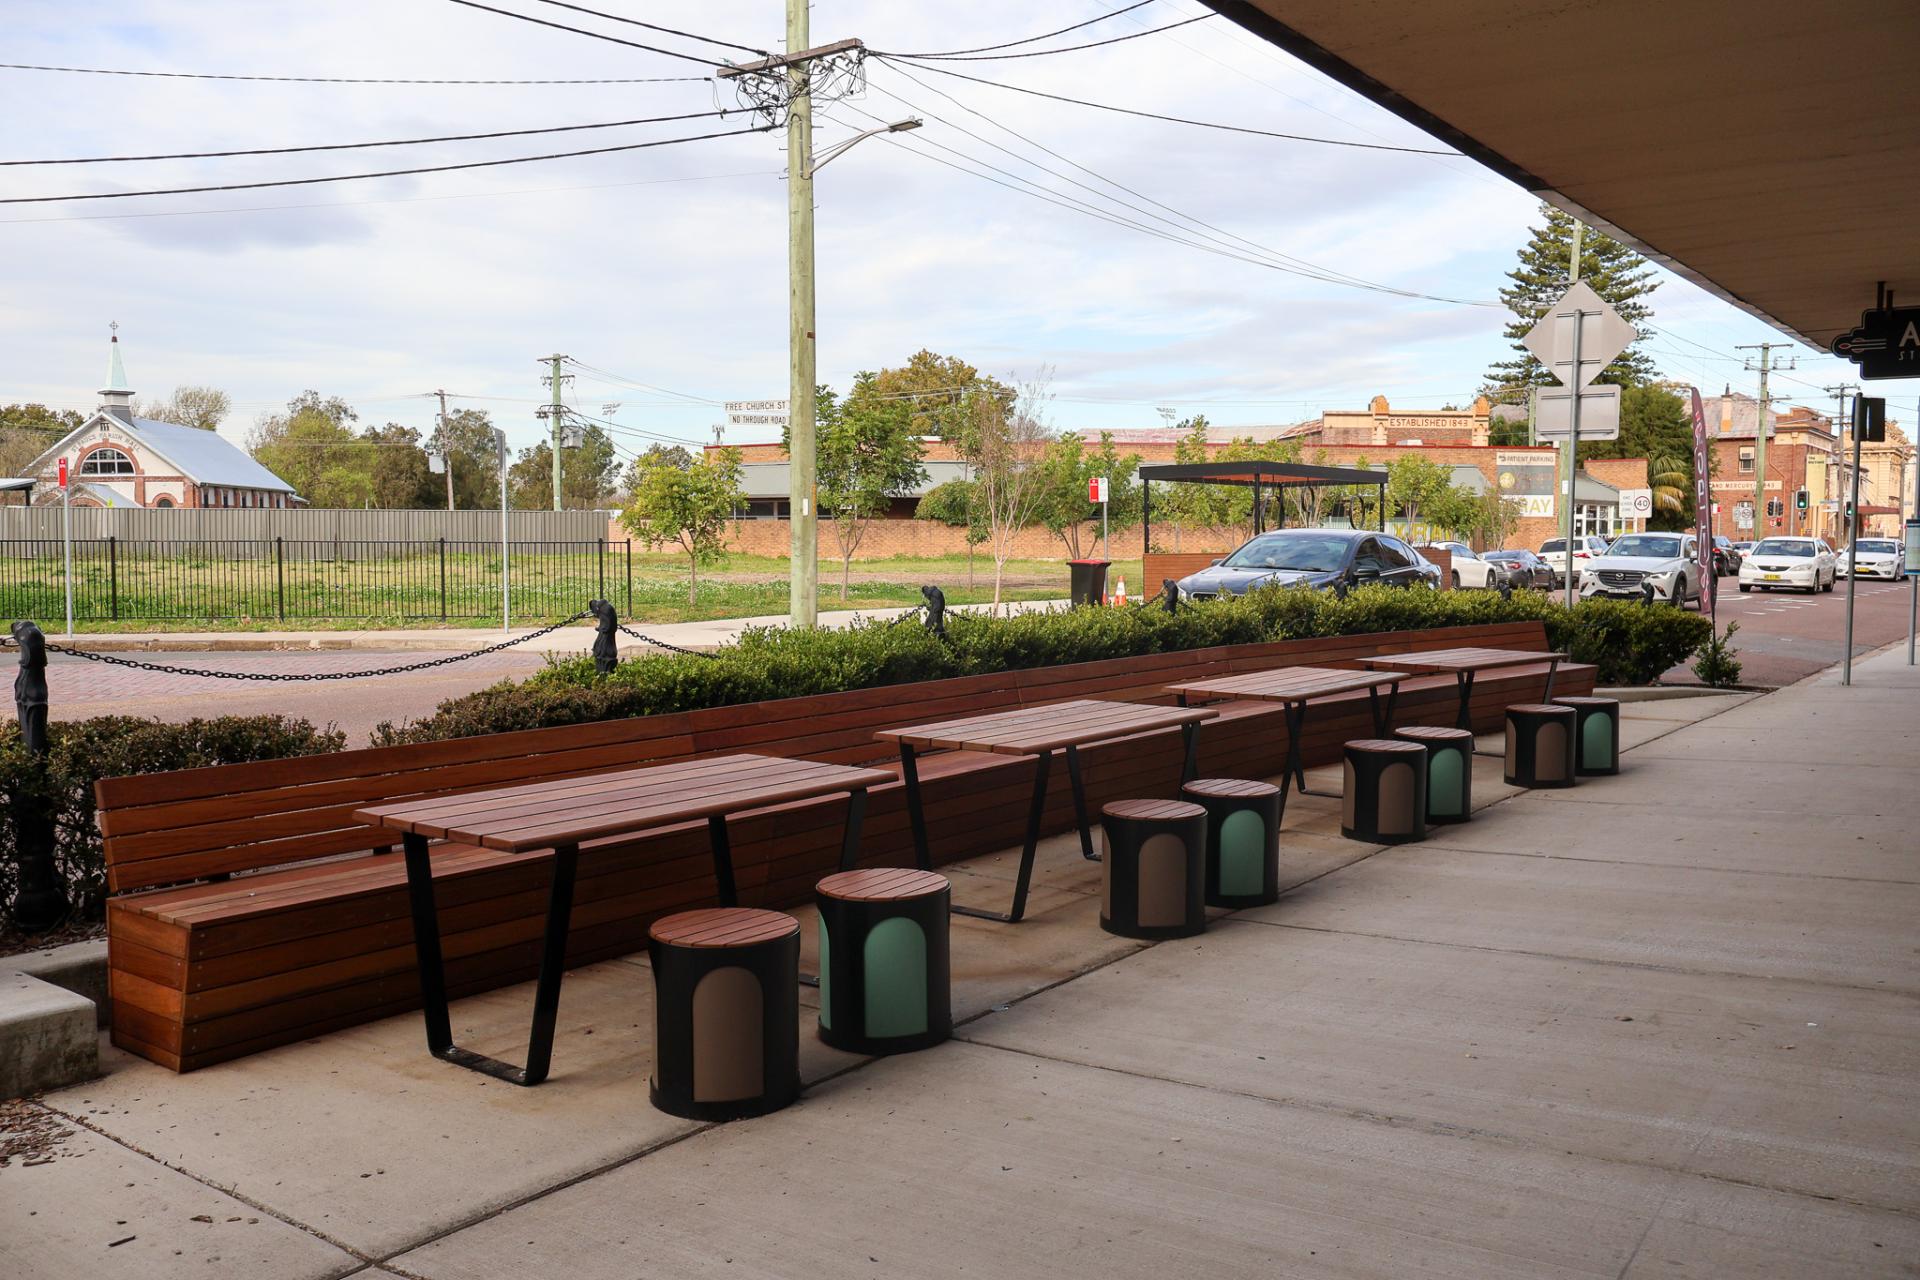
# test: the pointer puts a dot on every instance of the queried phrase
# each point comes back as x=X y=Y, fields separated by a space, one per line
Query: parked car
x=1524 y=569
x=1726 y=556
x=1322 y=558
x=1804 y=564
x=1554 y=552
x=1669 y=563
x=1470 y=569
x=1878 y=558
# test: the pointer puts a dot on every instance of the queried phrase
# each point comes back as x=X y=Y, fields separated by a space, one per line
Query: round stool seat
x=1243 y=839
x=726 y=1012
x=1155 y=869
x=1449 y=769
x=885 y=966
x=1596 y=739
x=1384 y=799
x=1540 y=745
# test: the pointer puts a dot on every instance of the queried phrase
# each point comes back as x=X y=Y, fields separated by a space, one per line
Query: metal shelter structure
x=1260 y=476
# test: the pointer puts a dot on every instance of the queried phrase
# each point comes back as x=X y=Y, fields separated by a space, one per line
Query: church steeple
x=116 y=397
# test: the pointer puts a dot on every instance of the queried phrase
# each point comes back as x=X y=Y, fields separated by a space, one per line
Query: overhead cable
x=1042 y=53
x=653 y=26
x=205 y=75
x=386 y=173
x=582 y=31
x=989 y=48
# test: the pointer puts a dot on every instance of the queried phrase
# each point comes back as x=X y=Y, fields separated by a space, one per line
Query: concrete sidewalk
x=1659 y=1024
x=710 y=634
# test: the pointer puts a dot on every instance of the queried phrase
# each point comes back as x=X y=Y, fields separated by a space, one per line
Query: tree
x=401 y=478
x=1002 y=434
x=465 y=436
x=672 y=455
x=688 y=507
x=29 y=430
x=1416 y=485
x=935 y=389
x=1067 y=469
x=313 y=447
x=956 y=504
x=586 y=474
x=867 y=454
x=199 y=407
x=1612 y=270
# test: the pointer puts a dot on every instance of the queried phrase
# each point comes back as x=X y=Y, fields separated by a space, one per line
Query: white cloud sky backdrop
x=668 y=267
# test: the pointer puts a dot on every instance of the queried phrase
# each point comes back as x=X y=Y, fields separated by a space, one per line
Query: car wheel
x=1745 y=588
x=1456 y=579
x=1830 y=581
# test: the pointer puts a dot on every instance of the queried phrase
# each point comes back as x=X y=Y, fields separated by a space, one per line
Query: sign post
x=1703 y=509
x=66 y=539
x=1869 y=423
x=506 y=579
x=1097 y=492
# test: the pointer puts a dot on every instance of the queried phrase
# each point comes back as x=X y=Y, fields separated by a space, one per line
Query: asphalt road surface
x=1786 y=636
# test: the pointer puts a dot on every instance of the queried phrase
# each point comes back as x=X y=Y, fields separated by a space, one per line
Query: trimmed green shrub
x=1716 y=667
x=1630 y=643
x=79 y=752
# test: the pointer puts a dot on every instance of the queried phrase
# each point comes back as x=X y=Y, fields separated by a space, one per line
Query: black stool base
x=1153 y=933
x=721 y=1112
x=885 y=1045
x=1374 y=837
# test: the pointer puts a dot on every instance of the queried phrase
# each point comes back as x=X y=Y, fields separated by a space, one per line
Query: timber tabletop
x=1468 y=659
x=1033 y=730
x=1286 y=684
x=540 y=815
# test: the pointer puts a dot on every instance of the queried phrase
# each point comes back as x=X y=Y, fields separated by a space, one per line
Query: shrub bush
x=79 y=752
x=1630 y=643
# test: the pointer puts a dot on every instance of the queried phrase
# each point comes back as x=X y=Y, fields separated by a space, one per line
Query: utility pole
x=803 y=580
x=1840 y=422
x=556 y=420
x=1765 y=366
x=446 y=454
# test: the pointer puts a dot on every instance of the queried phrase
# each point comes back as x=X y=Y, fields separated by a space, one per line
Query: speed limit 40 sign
x=1636 y=504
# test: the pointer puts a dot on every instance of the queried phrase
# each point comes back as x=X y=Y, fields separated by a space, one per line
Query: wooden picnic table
x=560 y=815
x=1465 y=664
x=1038 y=732
x=1294 y=688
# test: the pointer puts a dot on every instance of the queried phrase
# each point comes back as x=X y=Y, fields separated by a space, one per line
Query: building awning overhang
x=1769 y=151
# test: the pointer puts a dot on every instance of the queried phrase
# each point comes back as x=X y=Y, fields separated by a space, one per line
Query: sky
x=664 y=270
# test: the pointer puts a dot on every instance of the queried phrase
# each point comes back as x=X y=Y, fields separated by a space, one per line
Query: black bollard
x=606 y=649
x=1170 y=595
x=936 y=609
x=40 y=902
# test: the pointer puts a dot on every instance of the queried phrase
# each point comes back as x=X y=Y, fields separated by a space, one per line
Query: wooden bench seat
x=251 y=911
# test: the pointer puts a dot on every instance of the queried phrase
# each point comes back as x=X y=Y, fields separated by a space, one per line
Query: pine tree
x=1609 y=268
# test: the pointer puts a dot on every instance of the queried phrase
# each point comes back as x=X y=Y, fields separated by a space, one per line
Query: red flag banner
x=1703 y=507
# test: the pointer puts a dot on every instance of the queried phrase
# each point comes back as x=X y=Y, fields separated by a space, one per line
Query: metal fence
x=278 y=579
x=258 y=524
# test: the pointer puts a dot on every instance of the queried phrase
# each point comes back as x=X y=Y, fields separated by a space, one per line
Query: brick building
x=1804 y=451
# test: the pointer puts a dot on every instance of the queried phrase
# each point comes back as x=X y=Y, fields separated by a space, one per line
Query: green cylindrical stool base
x=1243 y=840
x=1540 y=744
x=885 y=967
x=1155 y=869
x=1596 y=737
x=1449 y=770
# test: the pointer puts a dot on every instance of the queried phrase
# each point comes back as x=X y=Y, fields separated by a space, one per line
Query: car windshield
x=1641 y=544
x=1798 y=547
x=1879 y=548
x=1553 y=544
x=1306 y=552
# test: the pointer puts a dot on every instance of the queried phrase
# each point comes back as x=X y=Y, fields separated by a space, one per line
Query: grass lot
x=185 y=593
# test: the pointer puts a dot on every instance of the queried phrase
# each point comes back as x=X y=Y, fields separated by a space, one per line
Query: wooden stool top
x=1387 y=746
x=1153 y=810
x=722 y=927
x=883 y=884
x=1576 y=701
x=1540 y=708
x=1230 y=788
x=1434 y=733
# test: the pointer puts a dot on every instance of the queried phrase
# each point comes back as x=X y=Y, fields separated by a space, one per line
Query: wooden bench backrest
x=166 y=828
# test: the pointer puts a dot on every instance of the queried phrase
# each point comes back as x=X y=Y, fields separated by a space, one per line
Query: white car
x=1668 y=563
x=1802 y=564
x=1469 y=570
x=1585 y=548
x=1878 y=558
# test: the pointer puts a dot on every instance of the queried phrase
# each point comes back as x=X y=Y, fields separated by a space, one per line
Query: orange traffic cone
x=1120 y=591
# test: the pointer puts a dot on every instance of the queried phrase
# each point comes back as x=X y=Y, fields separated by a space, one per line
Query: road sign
x=1097 y=489
x=743 y=413
x=1599 y=411
x=63 y=473
x=1870 y=417
x=1886 y=344
x=1913 y=548
x=1635 y=504
x=1603 y=335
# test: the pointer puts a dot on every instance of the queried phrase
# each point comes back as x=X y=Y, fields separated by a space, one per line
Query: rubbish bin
x=1088 y=581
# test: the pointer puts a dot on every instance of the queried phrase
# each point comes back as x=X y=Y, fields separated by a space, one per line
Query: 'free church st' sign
x=1886 y=345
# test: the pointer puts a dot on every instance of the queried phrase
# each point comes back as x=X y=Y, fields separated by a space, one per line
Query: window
x=1746 y=462
x=163 y=502
x=1395 y=554
x=106 y=462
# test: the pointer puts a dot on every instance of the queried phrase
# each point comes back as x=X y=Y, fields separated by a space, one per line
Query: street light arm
x=841 y=148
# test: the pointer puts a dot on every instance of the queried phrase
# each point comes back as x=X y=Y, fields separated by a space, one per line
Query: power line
x=1042 y=53
x=203 y=75
x=651 y=26
x=1198 y=124
x=582 y=31
x=387 y=173
x=988 y=48
x=618 y=378
x=361 y=146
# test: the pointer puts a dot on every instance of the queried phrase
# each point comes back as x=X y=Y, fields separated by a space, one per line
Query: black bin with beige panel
x=726 y=1012
x=1596 y=735
x=885 y=973
x=1243 y=840
x=1540 y=745
x=1385 y=797
x=1449 y=770
x=1156 y=869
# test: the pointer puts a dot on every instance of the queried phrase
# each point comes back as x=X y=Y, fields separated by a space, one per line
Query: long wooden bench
x=252 y=911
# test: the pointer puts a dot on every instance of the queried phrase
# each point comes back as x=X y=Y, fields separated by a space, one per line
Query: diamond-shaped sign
x=1603 y=335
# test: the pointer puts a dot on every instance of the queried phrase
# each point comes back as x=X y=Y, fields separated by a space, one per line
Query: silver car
x=1665 y=566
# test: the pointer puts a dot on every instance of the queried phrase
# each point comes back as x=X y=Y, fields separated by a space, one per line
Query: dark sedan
x=1524 y=568
x=1322 y=558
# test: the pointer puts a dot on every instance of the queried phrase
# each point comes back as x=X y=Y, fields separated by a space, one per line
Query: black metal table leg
x=722 y=860
x=1464 y=720
x=916 y=814
x=433 y=974
x=1296 y=734
x=1080 y=804
x=1373 y=705
x=1189 y=751
x=1553 y=668
x=850 y=839
x=1036 y=810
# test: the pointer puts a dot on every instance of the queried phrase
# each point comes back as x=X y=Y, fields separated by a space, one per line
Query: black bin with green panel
x=1449 y=770
x=1596 y=735
x=885 y=967
x=1243 y=840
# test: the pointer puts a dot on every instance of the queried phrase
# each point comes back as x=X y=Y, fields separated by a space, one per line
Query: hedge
x=1629 y=642
x=79 y=752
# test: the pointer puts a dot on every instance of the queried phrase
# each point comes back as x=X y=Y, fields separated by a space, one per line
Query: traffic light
x=1800 y=500
x=1775 y=507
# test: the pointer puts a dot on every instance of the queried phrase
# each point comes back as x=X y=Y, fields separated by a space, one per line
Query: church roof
x=204 y=457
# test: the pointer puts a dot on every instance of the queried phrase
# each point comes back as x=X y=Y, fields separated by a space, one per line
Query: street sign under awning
x=1603 y=335
x=1599 y=412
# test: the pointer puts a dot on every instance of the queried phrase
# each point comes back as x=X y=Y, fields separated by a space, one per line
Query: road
x=1787 y=636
